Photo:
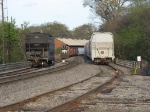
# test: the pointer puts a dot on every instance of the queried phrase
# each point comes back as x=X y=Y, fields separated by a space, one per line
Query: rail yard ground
x=129 y=93
x=24 y=89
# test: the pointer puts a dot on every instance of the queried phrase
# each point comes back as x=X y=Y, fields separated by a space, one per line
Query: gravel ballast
x=60 y=97
x=24 y=89
x=131 y=93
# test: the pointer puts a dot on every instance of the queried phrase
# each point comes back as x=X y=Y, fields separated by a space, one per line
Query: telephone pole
x=3 y=43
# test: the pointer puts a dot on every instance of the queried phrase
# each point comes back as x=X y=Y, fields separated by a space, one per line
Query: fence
x=126 y=63
x=12 y=66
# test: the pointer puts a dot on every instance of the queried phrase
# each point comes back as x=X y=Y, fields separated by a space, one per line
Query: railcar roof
x=73 y=42
x=37 y=37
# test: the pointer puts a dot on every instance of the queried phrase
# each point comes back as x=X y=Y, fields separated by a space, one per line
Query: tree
x=84 y=31
x=131 y=32
x=56 y=29
x=140 y=14
x=22 y=32
x=106 y=10
x=11 y=38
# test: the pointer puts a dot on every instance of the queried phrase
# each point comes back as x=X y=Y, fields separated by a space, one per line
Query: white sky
x=68 y=12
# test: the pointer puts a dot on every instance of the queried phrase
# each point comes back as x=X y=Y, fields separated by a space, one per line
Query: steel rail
x=16 y=71
x=103 y=100
x=16 y=77
x=21 y=103
x=60 y=107
x=78 y=99
x=28 y=69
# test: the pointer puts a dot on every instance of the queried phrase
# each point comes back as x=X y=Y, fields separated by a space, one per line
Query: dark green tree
x=132 y=32
x=84 y=31
x=56 y=29
x=12 y=51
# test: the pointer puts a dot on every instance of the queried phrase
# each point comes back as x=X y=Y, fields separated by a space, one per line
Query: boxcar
x=39 y=49
x=73 y=51
x=100 y=48
x=68 y=51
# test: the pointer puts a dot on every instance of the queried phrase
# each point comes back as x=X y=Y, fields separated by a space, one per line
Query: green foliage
x=131 y=32
x=128 y=42
x=17 y=55
x=57 y=51
x=12 y=51
x=61 y=30
x=84 y=31
x=56 y=29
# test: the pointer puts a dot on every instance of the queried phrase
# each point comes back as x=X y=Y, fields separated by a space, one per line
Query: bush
x=57 y=51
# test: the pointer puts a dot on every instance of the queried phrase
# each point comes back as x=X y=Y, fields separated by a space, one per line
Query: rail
x=127 y=63
x=12 y=66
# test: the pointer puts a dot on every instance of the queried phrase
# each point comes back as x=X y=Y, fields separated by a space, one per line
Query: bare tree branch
x=106 y=9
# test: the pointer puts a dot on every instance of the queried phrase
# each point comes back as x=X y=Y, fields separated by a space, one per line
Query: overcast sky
x=68 y=12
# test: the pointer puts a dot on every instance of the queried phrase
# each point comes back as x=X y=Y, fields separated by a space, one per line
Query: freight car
x=100 y=48
x=39 y=49
x=67 y=51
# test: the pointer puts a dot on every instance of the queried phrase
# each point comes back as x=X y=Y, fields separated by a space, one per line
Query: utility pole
x=3 y=43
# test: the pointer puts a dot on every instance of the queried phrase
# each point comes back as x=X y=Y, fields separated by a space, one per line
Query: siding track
x=66 y=96
x=32 y=72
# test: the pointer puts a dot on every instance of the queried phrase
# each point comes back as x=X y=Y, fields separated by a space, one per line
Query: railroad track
x=104 y=100
x=23 y=70
x=32 y=72
x=65 y=97
x=19 y=71
x=69 y=64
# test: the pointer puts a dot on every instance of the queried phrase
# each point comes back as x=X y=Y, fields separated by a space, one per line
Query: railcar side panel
x=86 y=50
x=73 y=51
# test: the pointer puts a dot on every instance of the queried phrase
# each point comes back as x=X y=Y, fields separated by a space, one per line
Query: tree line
x=128 y=20
x=14 y=36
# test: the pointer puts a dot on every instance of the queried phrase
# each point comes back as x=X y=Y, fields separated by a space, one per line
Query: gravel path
x=18 y=91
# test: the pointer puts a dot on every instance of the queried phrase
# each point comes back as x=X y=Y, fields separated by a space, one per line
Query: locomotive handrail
x=12 y=66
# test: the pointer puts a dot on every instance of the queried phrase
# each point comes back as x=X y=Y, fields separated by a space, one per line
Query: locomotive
x=39 y=49
x=67 y=51
x=100 y=48
x=64 y=52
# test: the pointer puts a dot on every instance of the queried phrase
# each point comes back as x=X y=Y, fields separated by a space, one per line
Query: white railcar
x=101 y=47
x=86 y=50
